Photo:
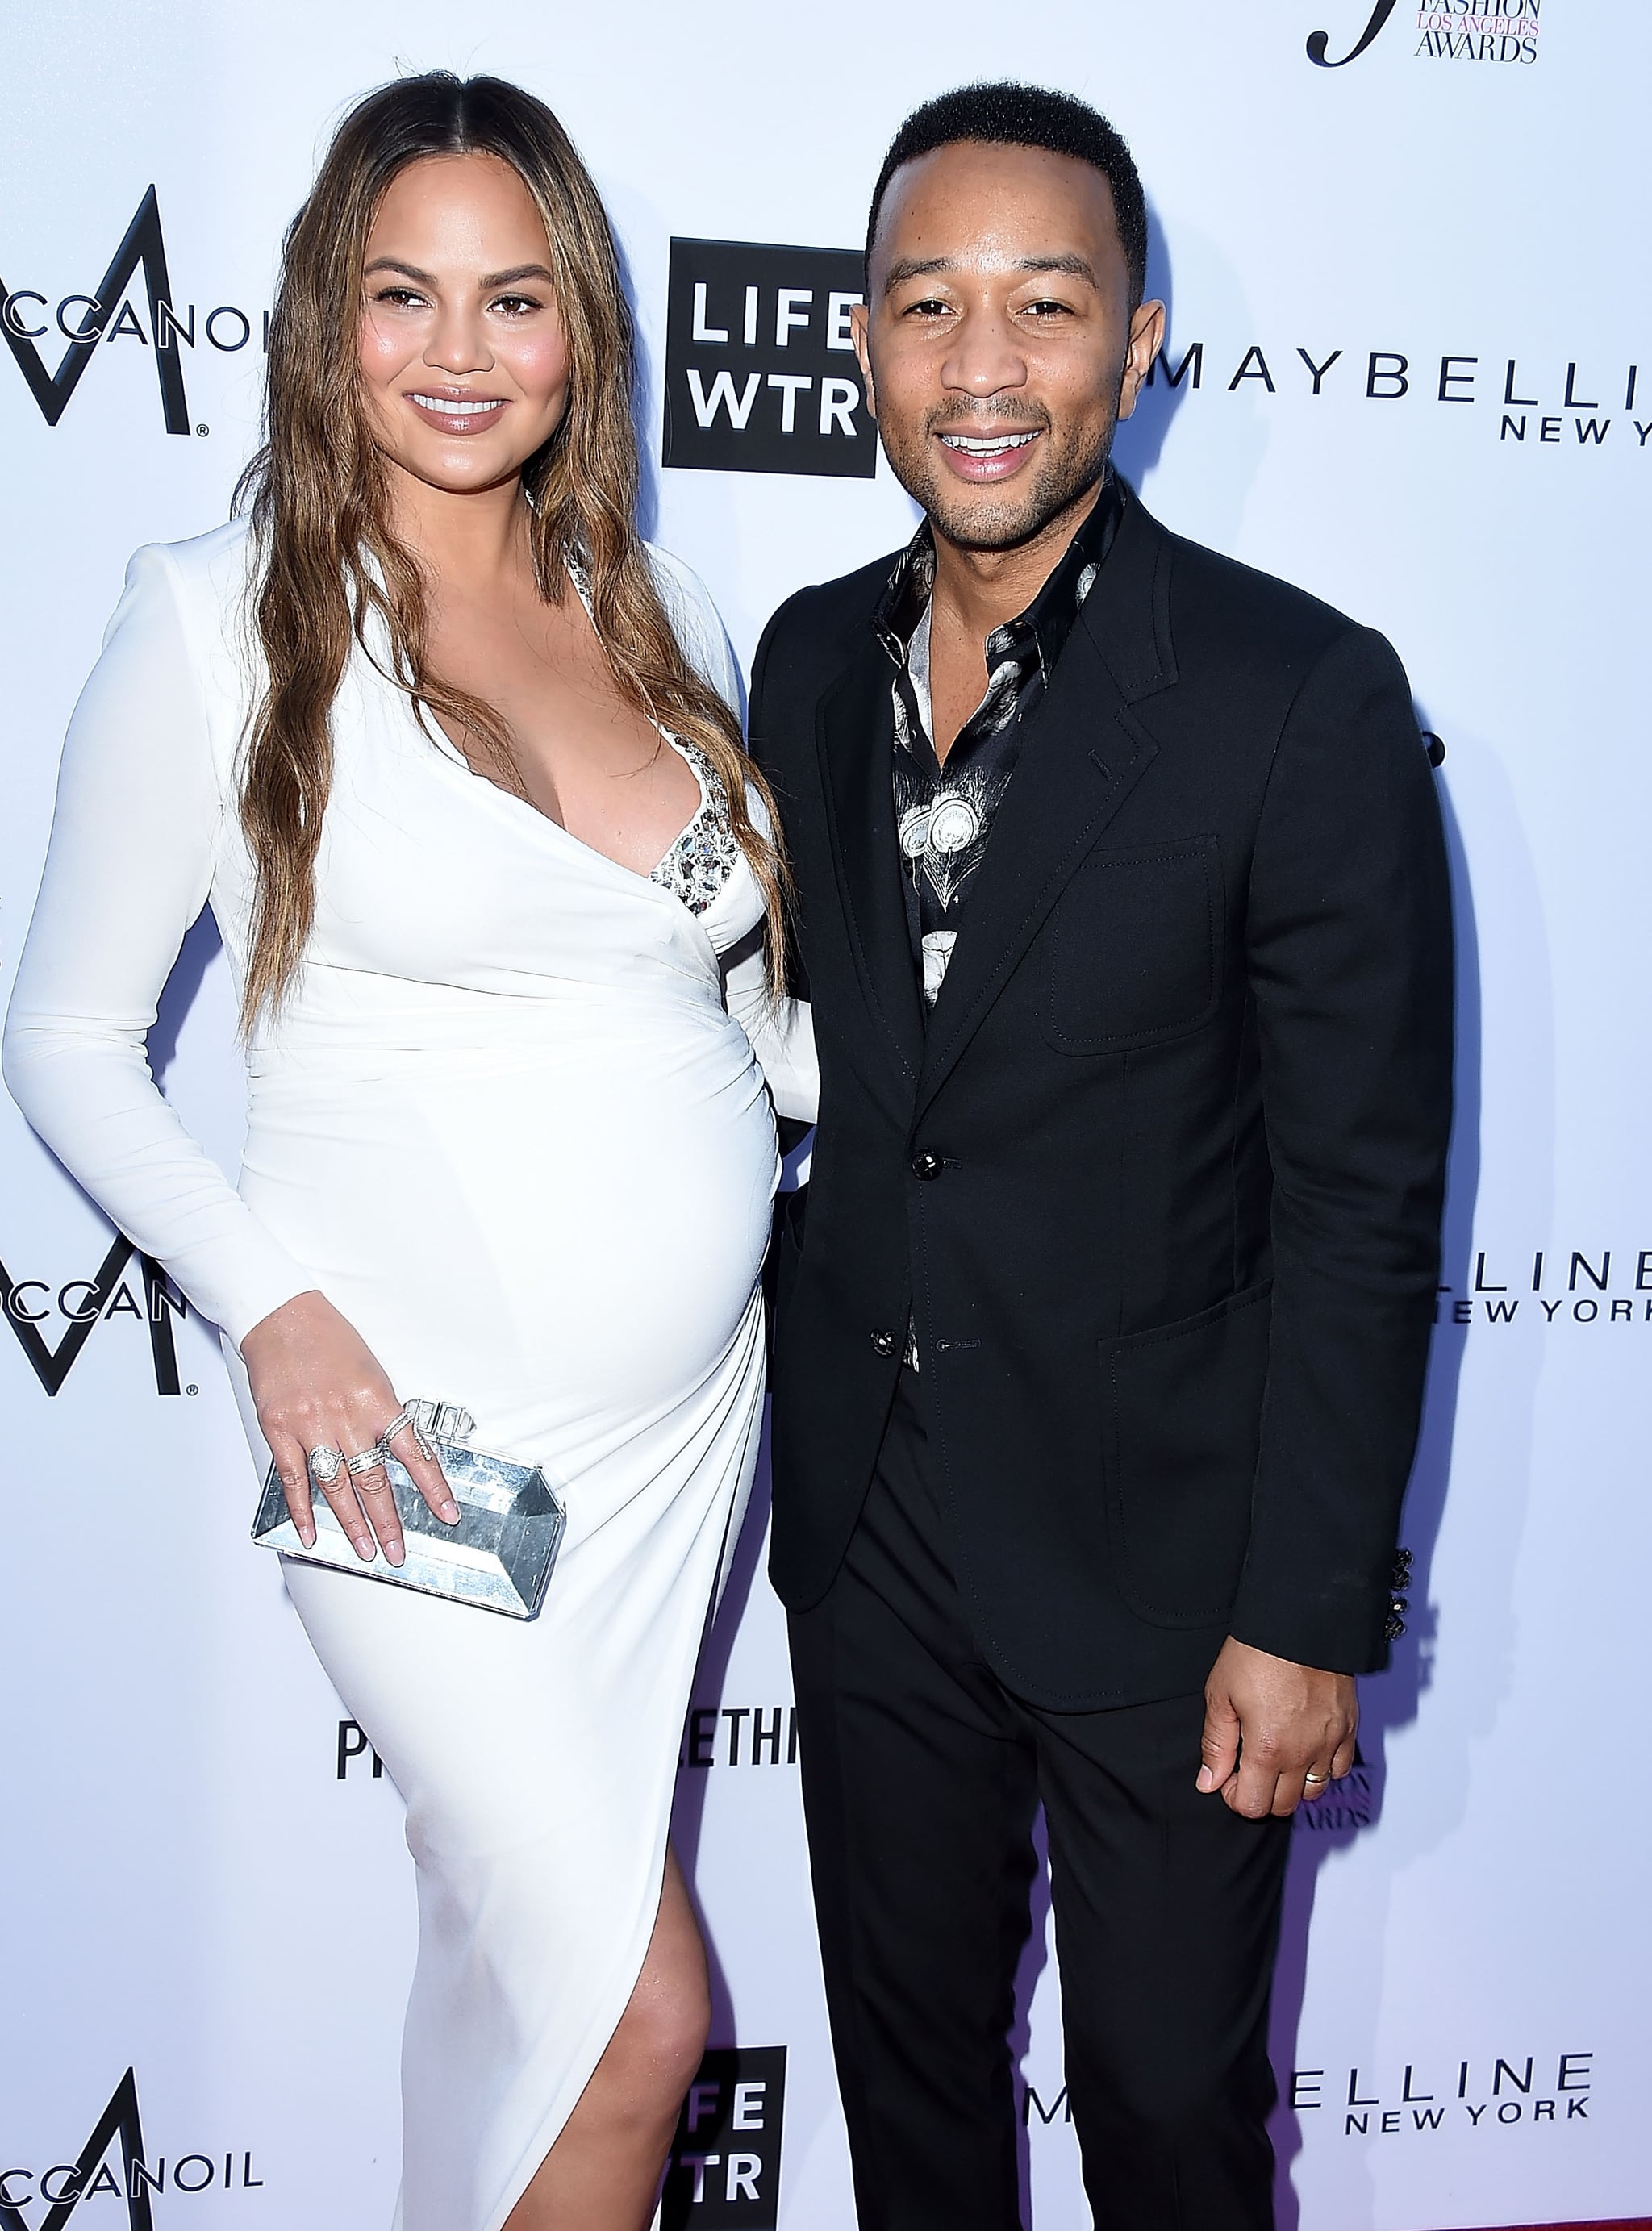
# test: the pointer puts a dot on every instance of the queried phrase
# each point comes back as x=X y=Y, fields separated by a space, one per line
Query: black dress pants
x=922 y=1775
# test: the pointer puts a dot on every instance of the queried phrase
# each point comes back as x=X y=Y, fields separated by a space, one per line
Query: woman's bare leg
x=603 y=2173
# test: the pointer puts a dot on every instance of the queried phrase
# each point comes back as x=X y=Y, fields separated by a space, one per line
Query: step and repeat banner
x=1409 y=367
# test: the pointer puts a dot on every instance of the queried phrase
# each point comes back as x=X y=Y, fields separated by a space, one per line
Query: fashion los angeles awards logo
x=1447 y=31
x=156 y=327
x=760 y=374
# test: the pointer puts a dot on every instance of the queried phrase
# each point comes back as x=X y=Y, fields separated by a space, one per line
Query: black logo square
x=724 y=2169
x=761 y=375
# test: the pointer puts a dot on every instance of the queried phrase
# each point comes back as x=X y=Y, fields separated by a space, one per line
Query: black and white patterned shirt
x=944 y=814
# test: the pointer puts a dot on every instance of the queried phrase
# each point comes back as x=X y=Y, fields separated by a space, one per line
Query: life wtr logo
x=760 y=374
x=724 y=2169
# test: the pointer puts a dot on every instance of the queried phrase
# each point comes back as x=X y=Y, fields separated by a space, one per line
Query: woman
x=453 y=757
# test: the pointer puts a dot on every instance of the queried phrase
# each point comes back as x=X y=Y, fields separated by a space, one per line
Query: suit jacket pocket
x=1183 y=1430
x=1134 y=949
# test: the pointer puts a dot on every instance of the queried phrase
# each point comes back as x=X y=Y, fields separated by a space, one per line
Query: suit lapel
x=1084 y=752
x=855 y=735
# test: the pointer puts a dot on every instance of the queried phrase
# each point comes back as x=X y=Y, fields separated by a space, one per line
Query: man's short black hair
x=1011 y=115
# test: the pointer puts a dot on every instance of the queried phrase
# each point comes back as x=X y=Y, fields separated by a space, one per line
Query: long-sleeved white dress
x=508 y=1125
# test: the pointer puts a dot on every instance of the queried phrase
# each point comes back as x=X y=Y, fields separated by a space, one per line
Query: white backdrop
x=192 y=1888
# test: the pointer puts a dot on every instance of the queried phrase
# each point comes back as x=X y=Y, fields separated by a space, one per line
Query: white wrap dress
x=509 y=1124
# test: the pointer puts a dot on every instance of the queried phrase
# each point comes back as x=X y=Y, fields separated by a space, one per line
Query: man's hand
x=1276 y=1732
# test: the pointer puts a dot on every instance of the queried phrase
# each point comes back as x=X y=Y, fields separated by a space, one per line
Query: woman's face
x=464 y=368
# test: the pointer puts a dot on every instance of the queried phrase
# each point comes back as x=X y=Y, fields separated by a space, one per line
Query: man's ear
x=859 y=322
x=1146 y=339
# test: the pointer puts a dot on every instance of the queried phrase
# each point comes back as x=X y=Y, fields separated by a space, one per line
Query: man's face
x=997 y=342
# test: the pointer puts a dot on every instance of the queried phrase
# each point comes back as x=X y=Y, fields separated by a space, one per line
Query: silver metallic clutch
x=498 y=1556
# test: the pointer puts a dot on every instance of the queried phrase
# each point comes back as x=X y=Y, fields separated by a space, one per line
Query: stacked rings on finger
x=325 y=1465
x=403 y=1420
x=370 y=1460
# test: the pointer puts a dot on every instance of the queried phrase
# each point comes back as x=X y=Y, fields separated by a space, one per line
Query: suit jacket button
x=882 y=1341
x=927 y=1164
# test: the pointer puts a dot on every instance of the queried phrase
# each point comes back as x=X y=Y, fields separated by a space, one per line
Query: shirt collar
x=1047 y=621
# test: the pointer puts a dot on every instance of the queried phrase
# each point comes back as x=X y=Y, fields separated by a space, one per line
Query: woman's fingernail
x=364 y=1550
x=451 y=1512
x=395 y=1552
x=306 y=1535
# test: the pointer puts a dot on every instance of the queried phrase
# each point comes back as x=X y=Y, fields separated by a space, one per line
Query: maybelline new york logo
x=1438 y=2090
x=1479 y=2092
x=35 y=1307
x=1450 y=30
x=1585 y=402
x=760 y=374
x=1547 y=1286
x=31 y=314
x=60 y=2186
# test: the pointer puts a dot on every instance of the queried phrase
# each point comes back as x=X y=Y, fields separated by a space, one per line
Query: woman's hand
x=318 y=1385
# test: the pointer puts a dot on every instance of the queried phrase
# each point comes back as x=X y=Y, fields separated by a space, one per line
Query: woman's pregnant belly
x=563 y=1236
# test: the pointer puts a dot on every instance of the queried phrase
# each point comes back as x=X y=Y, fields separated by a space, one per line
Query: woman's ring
x=325 y=1465
x=402 y=1420
x=370 y=1460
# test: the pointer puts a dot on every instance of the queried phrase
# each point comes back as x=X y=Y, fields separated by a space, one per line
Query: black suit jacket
x=1160 y=1181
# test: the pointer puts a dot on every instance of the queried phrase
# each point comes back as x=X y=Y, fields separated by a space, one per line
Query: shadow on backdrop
x=641 y=391
x=201 y=947
x=1391 y=1700
x=688 y=1808
x=1140 y=439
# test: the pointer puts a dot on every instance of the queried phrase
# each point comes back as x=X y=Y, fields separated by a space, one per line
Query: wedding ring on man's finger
x=324 y=1465
x=1316 y=1781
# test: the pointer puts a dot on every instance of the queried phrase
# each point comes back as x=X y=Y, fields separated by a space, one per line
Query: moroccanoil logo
x=158 y=327
x=52 y=1320
x=115 y=2163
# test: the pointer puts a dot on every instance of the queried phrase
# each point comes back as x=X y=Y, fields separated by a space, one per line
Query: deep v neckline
x=449 y=750
x=448 y=753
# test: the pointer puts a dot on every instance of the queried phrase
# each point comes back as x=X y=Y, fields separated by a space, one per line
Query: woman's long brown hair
x=327 y=560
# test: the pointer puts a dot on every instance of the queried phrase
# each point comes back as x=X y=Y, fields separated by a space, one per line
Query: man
x=1121 y=905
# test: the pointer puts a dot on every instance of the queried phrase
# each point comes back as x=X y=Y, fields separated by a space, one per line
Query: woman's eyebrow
x=428 y=278
x=395 y=263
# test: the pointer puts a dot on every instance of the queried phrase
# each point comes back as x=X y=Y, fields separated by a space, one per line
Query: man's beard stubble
x=1064 y=476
